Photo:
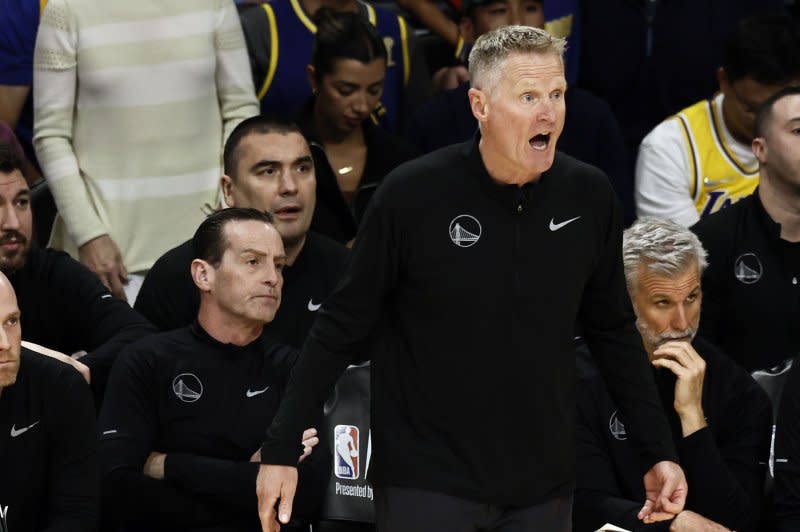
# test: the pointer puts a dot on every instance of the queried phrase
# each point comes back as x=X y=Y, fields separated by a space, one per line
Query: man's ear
x=202 y=275
x=759 y=147
x=479 y=104
x=226 y=184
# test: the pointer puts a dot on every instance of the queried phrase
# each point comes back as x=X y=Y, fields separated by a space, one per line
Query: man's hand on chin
x=665 y=488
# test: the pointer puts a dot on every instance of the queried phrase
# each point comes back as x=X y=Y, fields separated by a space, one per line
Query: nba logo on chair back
x=346 y=462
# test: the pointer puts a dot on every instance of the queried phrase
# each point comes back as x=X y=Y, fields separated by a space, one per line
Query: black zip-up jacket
x=751 y=288
x=724 y=462
x=49 y=479
x=333 y=216
x=205 y=404
x=477 y=288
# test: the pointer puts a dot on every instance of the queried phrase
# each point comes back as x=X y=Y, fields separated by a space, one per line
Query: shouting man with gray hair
x=470 y=271
x=720 y=418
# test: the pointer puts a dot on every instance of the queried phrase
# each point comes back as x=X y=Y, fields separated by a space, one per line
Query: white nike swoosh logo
x=253 y=393
x=23 y=430
x=556 y=226
x=312 y=307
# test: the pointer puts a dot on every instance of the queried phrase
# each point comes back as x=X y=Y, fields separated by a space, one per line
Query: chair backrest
x=772 y=380
x=349 y=496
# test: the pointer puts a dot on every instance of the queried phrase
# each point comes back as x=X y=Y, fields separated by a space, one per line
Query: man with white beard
x=720 y=418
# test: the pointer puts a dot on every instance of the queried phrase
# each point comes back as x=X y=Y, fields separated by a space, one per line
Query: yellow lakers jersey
x=719 y=177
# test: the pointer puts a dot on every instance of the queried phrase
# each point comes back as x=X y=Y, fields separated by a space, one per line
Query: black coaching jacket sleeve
x=341 y=330
x=91 y=319
x=607 y=318
x=73 y=498
x=128 y=425
x=231 y=483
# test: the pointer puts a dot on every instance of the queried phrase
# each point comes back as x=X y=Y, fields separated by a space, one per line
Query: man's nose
x=547 y=110
x=9 y=219
x=288 y=183
x=679 y=320
x=271 y=275
x=5 y=344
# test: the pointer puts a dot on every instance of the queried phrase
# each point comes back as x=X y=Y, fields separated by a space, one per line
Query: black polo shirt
x=751 y=297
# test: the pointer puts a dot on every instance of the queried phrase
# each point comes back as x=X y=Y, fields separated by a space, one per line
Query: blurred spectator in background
x=133 y=104
x=280 y=37
x=8 y=138
x=650 y=58
x=347 y=75
x=751 y=306
x=700 y=161
x=591 y=133
x=19 y=20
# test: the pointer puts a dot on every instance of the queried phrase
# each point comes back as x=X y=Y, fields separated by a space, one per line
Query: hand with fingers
x=102 y=256
x=279 y=483
x=310 y=440
x=665 y=488
x=680 y=358
x=275 y=484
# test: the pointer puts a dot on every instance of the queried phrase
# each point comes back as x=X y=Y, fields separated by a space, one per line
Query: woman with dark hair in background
x=351 y=154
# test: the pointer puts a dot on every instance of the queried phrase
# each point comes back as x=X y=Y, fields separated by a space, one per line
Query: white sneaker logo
x=253 y=393
x=312 y=306
x=16 y=432
x=556 y=226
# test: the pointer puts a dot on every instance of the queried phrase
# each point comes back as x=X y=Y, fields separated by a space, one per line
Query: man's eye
x=22 y=203
x=11 y=322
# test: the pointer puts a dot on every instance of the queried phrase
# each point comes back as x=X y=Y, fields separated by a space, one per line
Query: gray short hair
x=661 y=246
x=493 y=48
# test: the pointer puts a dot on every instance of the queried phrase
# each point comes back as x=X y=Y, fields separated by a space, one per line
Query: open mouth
x=289 y=210
x=540 y=142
